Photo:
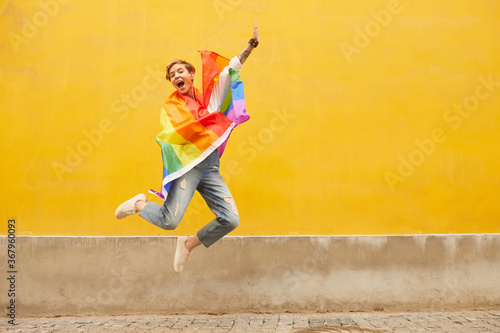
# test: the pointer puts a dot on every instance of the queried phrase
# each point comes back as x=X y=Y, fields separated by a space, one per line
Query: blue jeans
x=205 y=178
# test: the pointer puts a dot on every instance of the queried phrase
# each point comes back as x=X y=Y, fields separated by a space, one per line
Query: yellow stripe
x=185 y=150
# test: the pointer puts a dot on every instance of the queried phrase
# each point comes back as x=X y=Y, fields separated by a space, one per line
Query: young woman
x=201 y=131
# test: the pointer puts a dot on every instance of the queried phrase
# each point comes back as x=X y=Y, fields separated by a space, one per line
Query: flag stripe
x=183 y=150
x=188 y=127
x=170 y=157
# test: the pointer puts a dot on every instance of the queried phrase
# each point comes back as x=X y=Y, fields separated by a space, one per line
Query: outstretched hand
x=250 y=46
x=255 y=31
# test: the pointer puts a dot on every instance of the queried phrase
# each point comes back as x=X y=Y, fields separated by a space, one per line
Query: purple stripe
x=238 y=114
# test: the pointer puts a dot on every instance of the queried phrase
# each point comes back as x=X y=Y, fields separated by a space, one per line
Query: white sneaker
x=181 y=254
x=128 y=207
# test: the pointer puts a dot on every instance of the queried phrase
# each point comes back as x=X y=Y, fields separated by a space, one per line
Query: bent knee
x=232 y=219
x=168 y=226
x=234 y=222
x=169 y=222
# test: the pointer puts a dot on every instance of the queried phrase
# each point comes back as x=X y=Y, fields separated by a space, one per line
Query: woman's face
x=181 y=79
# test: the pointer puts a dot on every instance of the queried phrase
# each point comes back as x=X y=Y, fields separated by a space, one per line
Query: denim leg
x=169 y=215
x=220 y=201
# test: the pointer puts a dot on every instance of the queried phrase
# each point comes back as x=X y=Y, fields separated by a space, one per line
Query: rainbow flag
x=189 y=133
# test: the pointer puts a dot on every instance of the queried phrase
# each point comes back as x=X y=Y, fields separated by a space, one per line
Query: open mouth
x=180 y=84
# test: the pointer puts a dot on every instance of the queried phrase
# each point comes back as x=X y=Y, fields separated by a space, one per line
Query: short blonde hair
x=186 y=64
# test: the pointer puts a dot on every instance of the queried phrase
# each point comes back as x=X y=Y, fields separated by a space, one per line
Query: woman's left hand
x=255 y=31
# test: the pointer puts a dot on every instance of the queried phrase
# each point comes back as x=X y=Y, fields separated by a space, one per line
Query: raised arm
x=221 y=88
x=250 y=46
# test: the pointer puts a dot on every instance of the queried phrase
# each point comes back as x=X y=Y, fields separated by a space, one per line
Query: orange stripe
x=186 y=125
x=221 y=63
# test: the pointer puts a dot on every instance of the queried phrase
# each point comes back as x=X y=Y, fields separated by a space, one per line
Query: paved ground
x=476 y=321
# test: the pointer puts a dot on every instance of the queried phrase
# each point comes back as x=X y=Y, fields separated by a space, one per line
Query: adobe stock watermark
x=30 y=29
x=363 y=36
x=249 y=149
x=224 y=6
x=454 y=118
x=94 y=137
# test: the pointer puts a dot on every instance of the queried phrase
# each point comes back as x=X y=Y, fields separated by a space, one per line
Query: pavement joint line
x=464 y=322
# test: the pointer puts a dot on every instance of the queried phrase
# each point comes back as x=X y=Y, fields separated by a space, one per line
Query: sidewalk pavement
x=473 y=321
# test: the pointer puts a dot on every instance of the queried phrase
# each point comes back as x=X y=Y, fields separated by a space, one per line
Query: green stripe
x=235 y=76
x=227 y=102
x=170 y=159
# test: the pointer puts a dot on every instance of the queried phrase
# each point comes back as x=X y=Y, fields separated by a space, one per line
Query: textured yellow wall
x=368 y=117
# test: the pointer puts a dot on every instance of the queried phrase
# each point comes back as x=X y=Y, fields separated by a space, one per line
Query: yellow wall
x=368 y=117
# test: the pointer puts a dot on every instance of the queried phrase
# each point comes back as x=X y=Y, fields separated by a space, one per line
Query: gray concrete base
x=134 y=275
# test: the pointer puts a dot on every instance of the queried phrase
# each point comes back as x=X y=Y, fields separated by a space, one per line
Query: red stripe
x=212 y=64
x=215 y=121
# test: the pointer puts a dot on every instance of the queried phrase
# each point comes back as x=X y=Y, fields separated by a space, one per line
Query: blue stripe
x=237 y=91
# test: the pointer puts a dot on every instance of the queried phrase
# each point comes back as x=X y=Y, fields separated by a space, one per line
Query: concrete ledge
x=134 y=275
